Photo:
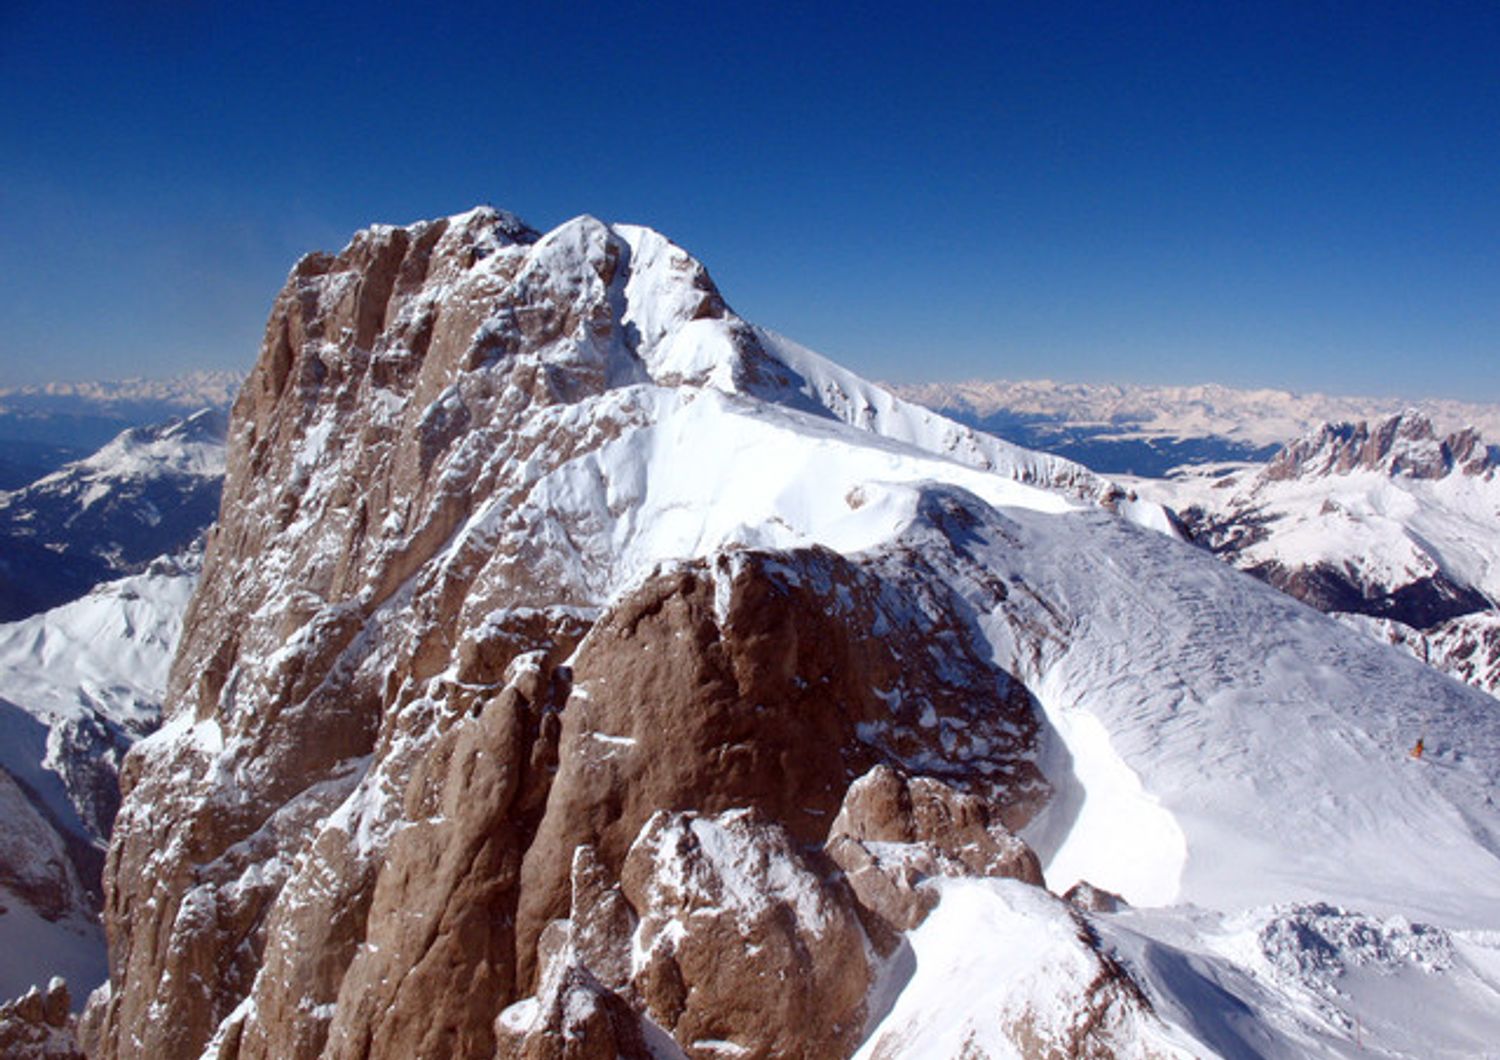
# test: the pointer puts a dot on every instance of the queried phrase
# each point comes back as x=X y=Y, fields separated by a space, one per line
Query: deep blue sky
x=1303 y=195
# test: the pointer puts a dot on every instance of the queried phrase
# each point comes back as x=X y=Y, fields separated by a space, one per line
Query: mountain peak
x=1405 y=445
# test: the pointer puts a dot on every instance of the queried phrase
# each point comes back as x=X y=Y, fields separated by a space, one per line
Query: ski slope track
x=571 y=655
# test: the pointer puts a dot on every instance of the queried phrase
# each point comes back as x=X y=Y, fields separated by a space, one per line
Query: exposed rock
x=893 y=833
x=741 y=941
x=39 y=1026
x=750 y=686
x=1093 y=899
x=1422 y=603
x=1405 y=445
x=574 y=1017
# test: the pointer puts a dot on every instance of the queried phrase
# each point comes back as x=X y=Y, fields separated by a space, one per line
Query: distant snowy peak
x=190 y=446
x=150 y=491
x=1403 y=445
x=138 y=460
x=1386 y=523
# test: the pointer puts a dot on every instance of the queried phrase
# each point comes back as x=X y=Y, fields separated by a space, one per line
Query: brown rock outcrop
x=1089 y=898
x=574 y=1017
x=742 y=941
x=39 y=1026
x=1406 y=445
x=749 y=685
x=893 y=833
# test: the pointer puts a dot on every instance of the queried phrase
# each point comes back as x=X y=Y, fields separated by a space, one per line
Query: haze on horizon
x=1288 y=196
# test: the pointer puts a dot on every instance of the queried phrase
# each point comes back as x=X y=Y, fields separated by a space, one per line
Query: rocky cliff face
x=1405 y=445
x=460 y=758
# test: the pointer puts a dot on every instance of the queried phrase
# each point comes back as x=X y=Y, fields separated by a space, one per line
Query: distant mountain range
x=1149 y=430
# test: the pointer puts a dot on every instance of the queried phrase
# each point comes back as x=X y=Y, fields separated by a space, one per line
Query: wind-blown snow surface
x=1220 y=746
x=1222 y=754
x=77 y=685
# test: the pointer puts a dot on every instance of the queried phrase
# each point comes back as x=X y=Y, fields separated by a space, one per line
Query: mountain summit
x=580 y=670
x=1405 y=445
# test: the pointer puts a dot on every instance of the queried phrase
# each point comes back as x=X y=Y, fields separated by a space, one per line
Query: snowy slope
x=1216 y=743
x=104 y=654
x=1223 y=745
x=1258 y=747
x=78 y=685
x=1246 y=749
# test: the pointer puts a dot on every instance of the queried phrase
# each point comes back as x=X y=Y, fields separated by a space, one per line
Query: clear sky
x=1303 y=195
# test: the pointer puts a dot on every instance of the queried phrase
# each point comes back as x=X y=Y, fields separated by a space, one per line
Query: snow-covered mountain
x=78 y=685
x=150 y=491
x=1388 y=523
x=1149 y=430
x=579 y=670
x=44 y=427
